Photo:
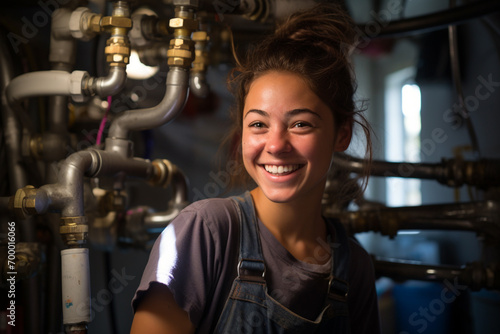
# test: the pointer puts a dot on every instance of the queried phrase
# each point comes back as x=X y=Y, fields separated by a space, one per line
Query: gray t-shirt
x=196 y=257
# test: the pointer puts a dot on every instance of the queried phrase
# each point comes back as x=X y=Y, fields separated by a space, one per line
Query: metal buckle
x=249 y=274
x=338 y=289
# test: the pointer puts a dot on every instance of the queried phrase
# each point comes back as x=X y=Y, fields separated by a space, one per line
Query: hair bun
x=327 y=26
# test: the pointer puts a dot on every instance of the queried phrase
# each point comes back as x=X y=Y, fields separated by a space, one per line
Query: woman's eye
x=256 y=125
x=300 y=125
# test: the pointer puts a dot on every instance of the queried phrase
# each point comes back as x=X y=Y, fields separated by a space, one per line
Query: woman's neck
x=297 y=225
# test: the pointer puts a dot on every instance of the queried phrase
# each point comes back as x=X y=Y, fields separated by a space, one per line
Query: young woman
x=267 y=261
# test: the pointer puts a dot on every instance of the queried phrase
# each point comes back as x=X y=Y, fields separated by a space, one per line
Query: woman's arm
x=158 y=313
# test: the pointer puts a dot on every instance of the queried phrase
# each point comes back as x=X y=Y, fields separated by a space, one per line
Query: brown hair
x=314 y=44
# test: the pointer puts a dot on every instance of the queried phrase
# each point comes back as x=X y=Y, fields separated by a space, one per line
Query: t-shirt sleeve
x=187 y=257
x=363 y=302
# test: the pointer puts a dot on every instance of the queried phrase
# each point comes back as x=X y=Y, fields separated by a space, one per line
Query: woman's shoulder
x=219 y=215
x=212 y=208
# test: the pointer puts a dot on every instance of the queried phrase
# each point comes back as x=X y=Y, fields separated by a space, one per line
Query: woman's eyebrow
x=258 y=111
x=295 y=112
x=291 y=113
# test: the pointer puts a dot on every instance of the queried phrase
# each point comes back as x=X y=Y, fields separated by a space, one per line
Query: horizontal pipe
x=474 y=217
x=453 y=172
x=112 y=163
x=45 y=83
x=66 y=196
x=171 y=105
x=431 y=22
x=77 y=84
x=474 y=276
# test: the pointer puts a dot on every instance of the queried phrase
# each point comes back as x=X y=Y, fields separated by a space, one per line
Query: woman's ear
x=344 y=136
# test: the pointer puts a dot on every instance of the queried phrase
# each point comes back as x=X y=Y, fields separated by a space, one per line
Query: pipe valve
x=117 y=48
x=74 y=230
x=181 y=47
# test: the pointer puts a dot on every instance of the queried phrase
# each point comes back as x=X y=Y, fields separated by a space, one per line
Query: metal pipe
x=480 y=217
x=117 y=52
x=198 y=84
x=431 y=22
x=12 y=132
x=457 y=79
x=109 y=85
x=451 y=172
x=475 y=276
x=79 y=84
x=148 y=118
x=54 y=311
x=66 y=196
x=154 y=222
x=62 y=43
x=197 y=81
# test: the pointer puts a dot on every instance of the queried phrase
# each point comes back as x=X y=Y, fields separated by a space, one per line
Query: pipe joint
x=48 y=147
x=118 y=25
x=197 y=80
x=74 y=230
x=146 y=29
x=163 y=170
x=83 y=24
x=106 y=86
x=23 y=202
x=181 y=47
x=117 y=51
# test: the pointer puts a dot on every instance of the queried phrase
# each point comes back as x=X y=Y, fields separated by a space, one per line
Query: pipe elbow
x=171 y=105
x=113 y=83
x=198 y=84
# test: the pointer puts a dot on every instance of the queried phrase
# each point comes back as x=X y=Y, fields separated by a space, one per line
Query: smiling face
x=288 y=137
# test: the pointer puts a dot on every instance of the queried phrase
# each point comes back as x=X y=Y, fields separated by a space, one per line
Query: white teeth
x=273 y=169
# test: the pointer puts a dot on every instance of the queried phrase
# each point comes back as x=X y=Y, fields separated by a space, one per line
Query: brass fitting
x=74 y=230
x=200 y=61
x=110 y=22
x=200 y=36
x=180 y=52
x=112 y=200
x=94 y=23
x=117 y=51
x=117 y=48
x=162 y=175
x=181 y=47
x=35 y=148
x=24 y=202
x=183 y=26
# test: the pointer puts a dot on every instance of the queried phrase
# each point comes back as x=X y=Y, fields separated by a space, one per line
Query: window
x=402 y=124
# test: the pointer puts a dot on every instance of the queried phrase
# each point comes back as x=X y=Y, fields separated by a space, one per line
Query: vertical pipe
x=75 y=287
x=18 y=179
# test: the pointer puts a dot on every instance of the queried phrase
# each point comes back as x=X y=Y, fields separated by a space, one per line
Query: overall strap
x=251 y=265
x=339 y=280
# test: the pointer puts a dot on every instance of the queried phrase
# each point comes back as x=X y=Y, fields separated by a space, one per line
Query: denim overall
x=249 y=309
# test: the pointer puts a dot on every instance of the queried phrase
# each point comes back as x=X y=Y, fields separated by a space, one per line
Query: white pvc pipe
x=75 y=285
x=45 y=83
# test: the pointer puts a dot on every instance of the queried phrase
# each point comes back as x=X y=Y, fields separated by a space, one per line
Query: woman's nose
x=278 y=142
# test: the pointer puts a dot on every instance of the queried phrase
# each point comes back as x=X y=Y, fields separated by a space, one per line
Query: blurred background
x=105 y=183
